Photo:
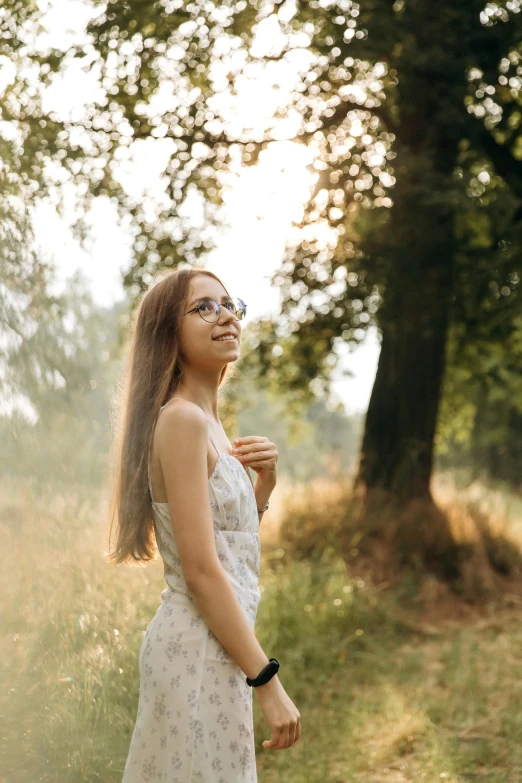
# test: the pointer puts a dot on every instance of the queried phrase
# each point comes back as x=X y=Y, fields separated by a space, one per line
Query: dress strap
x=212 y=440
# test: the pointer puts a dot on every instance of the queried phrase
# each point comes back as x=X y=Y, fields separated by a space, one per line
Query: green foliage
x=480 y=418
x=395 y=105
x=311 y=440
x=64 y=372
x=414 y=120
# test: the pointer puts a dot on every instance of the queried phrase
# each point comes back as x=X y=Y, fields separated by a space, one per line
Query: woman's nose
x=228 y=315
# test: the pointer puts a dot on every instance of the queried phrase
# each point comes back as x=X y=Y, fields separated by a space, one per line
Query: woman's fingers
x=273 y=741
x=254 y=459
x=285 y=738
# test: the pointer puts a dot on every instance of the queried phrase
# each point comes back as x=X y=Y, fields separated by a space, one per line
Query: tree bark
x=418 y=247
x=397 y=447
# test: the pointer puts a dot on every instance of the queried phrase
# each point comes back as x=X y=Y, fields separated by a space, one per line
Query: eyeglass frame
x=219 y=306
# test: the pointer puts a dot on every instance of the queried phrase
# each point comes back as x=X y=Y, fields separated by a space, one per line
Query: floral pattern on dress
x=194 y=721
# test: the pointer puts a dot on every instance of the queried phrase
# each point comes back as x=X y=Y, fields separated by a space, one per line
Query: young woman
x=181 y=484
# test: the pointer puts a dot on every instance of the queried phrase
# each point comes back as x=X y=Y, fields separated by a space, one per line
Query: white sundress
x=194 y=721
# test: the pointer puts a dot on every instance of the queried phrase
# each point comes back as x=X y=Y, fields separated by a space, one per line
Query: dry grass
x=480 y=557
x=425 y=689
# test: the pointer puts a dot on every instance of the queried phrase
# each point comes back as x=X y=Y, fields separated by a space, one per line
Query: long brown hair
x=150 y=378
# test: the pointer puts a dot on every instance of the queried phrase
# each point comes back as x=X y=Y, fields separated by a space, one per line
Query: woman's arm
x=263 y=489
x=216 y=600
x=182 y=448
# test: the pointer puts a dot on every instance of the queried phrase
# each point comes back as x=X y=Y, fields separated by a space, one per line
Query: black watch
x=265 y=674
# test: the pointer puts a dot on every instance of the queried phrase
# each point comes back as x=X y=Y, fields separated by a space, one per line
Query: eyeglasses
x=210 y=310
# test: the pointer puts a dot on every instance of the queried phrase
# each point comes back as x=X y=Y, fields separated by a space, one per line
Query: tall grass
x=379 y=700
x=72 y=626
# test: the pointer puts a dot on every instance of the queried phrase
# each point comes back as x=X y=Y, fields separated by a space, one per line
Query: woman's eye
x=205 y=306
x=230 y=305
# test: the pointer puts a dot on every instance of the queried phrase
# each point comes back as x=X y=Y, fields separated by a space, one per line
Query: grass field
x=389 y=688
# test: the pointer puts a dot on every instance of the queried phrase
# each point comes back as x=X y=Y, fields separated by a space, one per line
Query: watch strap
x=265 y=674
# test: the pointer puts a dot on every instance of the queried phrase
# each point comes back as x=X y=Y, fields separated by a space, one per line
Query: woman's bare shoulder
x=181 y=418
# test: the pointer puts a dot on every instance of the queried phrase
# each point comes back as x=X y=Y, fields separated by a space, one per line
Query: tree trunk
x=397 y=448
x=396 y=458
x=418 y=246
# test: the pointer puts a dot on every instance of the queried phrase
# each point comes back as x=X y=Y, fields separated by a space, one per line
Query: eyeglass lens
x=210 y=310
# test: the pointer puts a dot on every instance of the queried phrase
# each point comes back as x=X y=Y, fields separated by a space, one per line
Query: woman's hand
x=258 y=453
x=283 y=717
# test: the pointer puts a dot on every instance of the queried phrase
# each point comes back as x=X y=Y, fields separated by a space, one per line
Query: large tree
x=412 y=110
x=423 y=74
x=408 y=82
